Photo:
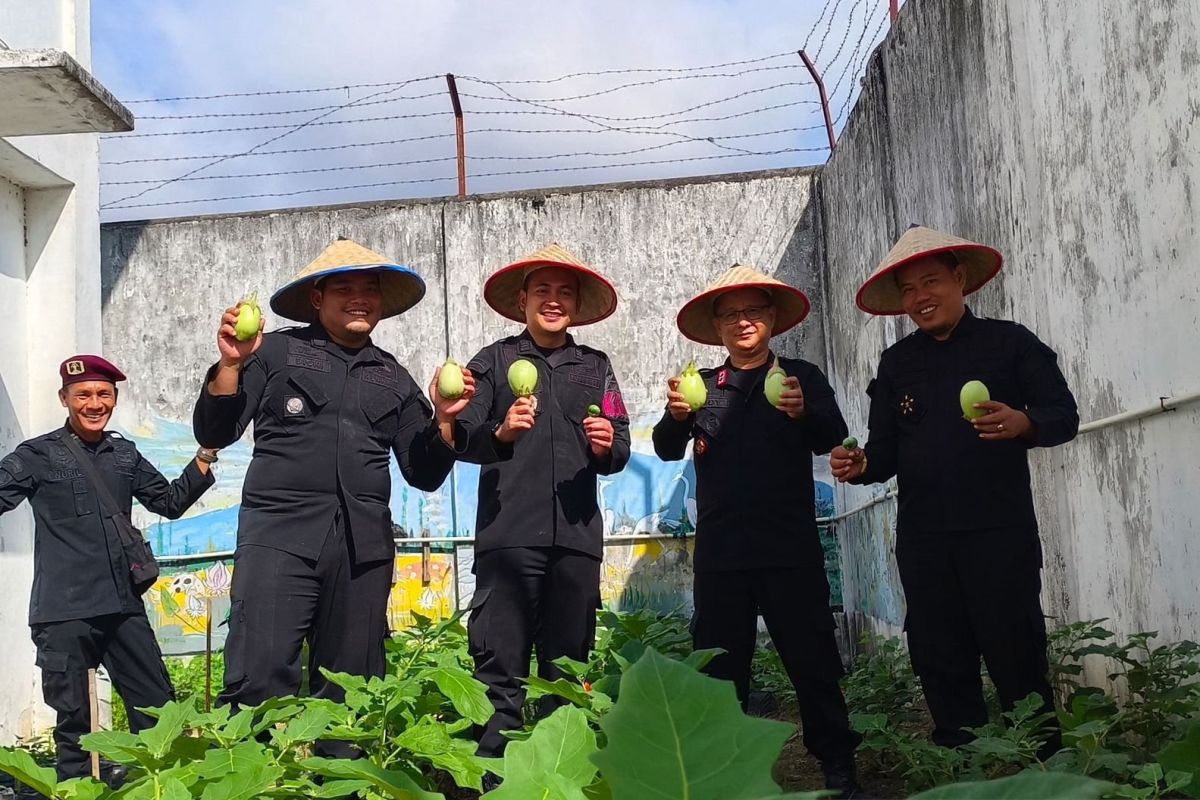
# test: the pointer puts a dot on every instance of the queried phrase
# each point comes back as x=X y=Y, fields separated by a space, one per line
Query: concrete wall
x=49 y=309
x=1061 y=133
x=165 y=284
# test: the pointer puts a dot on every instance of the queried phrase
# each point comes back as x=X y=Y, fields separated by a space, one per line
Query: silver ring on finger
x=1000 y=426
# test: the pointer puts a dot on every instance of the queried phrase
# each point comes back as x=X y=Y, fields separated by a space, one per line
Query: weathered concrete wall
x=1062 y=134
x=165 y=284
x=49 y=309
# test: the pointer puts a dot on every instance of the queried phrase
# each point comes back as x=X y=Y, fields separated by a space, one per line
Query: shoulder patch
x=13 y=465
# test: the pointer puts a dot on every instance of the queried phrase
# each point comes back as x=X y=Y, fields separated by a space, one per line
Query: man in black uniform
x=84 y=610
x=757 y=546
x=315 y=549
x=539 y=530
x=967 y=542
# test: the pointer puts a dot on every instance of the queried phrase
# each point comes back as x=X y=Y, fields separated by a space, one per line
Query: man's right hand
x=519 y=419
x=846 y=465
x=677 y=407
x=233 y=352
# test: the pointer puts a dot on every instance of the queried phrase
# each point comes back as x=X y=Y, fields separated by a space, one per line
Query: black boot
x=842 y=776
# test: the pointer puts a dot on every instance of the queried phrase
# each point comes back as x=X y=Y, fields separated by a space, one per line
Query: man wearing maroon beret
x=84 y=610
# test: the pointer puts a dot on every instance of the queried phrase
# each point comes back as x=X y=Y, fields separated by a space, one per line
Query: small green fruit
x=971 y=393
x=773 y=387
x=523 y=378
x=850 y=443
x=593 y=410
x=450 y=380
x=249 y=319
x=691 y=386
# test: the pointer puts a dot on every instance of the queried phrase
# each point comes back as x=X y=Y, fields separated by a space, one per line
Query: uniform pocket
x=477 y=622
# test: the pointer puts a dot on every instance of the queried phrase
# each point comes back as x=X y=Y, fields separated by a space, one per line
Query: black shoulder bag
x=143 y=569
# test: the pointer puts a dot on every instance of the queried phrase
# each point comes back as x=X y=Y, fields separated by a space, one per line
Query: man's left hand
x=448 y=409
x=599 y=432
x=1002 y=422
x=791 y=399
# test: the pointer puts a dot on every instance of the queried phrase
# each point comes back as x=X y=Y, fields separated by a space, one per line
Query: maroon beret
x=80 y=369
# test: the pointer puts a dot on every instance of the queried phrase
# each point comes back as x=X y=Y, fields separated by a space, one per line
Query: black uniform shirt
x=950 y=479
x=79 y=568
x=325 y=420
x=754 y=472
x=541 y=490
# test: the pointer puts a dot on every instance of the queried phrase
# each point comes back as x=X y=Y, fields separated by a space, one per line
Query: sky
x=321 y=102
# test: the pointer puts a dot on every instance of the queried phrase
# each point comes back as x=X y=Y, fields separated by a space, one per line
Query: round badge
x=294 y=405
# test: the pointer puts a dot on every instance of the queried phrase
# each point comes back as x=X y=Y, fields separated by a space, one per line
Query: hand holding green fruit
x=520 y=418
x=847 y=461
x=451 y=390
x=783 y=391
x=973 y=392
x=233 y=349
x=523 y=377
x=249 y=321
x=690 y=385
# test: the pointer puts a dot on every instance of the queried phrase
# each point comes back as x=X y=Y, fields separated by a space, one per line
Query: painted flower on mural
x=217 y=581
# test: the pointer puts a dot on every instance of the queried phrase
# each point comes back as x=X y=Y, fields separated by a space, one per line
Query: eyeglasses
x=751 y=313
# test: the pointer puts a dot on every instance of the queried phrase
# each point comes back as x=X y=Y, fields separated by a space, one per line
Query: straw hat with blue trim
x=402 y=288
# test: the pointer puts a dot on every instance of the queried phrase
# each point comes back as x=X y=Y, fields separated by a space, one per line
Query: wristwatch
x=206 y=454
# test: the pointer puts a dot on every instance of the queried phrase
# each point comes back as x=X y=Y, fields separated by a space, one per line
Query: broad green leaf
x=431 y=740
x=549 y=787
x=21 y=766
x=243 y=784
x=171 y=719
x=341 y=788
x=122 y=747
x=304 y=729
x=676 y=733
x=576 y=669
x=554 y=763
x=173 y=789
x=467 y=695
x=698 y=659
x=1184 y=756
x=243 y=756
x=82 y=789
x=392 y=783
x=566 y=689
x=239 y=726
x=1025 y=786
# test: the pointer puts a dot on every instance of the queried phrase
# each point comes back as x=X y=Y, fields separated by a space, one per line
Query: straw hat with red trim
x=597 y=297
x=402 y=288
x=695 y=319
x=880 y=294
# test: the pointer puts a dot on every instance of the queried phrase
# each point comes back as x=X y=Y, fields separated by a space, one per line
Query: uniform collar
x=569 y=353
x=318 y=337
x=966 y=326
x=743 y=380
x=105 y=442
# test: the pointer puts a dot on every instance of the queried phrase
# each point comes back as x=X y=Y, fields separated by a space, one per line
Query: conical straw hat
x=402 y=288
x=695 y=319
x=597 y=297
x=880 y=294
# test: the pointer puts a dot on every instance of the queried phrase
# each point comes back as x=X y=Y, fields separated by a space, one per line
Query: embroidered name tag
x=317 y=362
x=381 y=376
x=584 y=377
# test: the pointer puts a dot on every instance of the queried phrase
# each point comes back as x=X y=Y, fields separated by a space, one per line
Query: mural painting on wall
x=648 y=497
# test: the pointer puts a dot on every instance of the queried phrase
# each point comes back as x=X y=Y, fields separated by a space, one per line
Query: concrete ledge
x=48 y=92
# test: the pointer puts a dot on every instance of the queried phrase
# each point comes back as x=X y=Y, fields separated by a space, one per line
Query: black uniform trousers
x=728 y=604
x=125 y=645
x=280 y=599
x=526 y=598
x=973 y=594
